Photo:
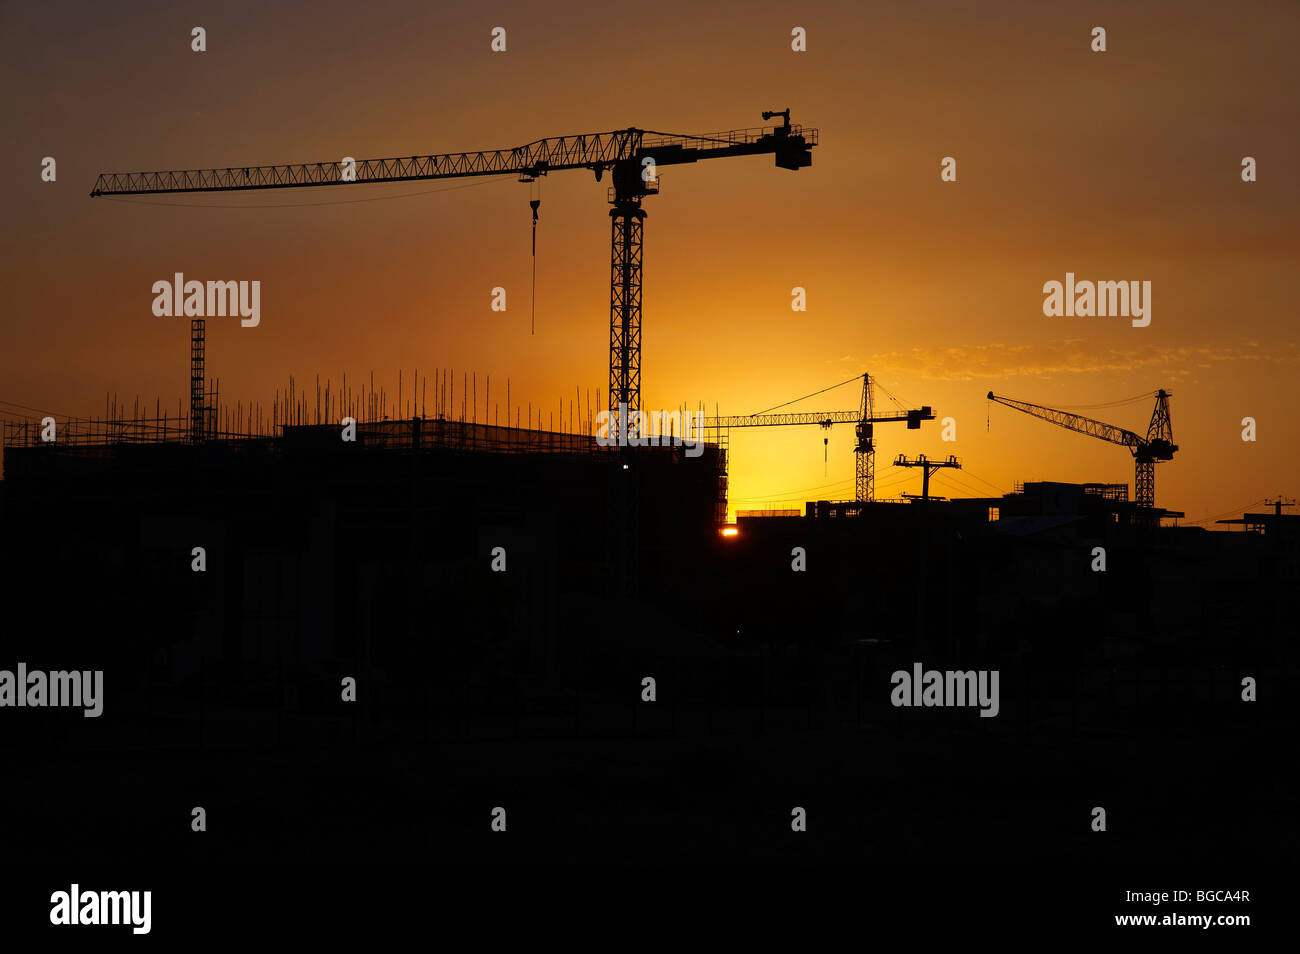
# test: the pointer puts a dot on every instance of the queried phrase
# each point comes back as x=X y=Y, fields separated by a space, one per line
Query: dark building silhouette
x=373 y=560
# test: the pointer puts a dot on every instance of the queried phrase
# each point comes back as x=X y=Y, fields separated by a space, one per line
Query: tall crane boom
x=630 y=156
x=1158 y=445
x=1074 y=422
x=598 y=152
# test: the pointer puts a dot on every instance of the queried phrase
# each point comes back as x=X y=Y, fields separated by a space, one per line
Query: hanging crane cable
x=534 y=203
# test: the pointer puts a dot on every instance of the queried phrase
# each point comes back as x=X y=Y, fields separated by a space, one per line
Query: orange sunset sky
x=1123 y=165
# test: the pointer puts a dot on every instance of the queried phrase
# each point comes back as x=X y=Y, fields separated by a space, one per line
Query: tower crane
x=1158 y=445
x=864 y=450
x=630 y=157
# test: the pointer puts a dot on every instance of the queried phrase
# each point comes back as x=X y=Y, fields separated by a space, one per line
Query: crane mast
x=864 y=459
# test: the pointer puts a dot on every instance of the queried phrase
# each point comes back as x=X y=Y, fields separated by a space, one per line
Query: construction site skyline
x=458 y=435
x=322 y=403
x=940 y=296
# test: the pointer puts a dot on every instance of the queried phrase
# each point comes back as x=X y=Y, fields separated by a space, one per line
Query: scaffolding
x=414 y=434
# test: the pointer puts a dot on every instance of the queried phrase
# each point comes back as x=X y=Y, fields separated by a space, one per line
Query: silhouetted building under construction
x=531 y=553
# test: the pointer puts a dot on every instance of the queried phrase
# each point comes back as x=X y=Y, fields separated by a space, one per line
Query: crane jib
x=596 y=152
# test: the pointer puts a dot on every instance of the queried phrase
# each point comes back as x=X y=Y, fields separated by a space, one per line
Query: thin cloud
x=1067 y=357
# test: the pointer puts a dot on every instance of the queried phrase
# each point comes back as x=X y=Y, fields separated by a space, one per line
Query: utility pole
x=928 y=469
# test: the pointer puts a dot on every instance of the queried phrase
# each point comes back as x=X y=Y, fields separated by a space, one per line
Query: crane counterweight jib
x=914 y=418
